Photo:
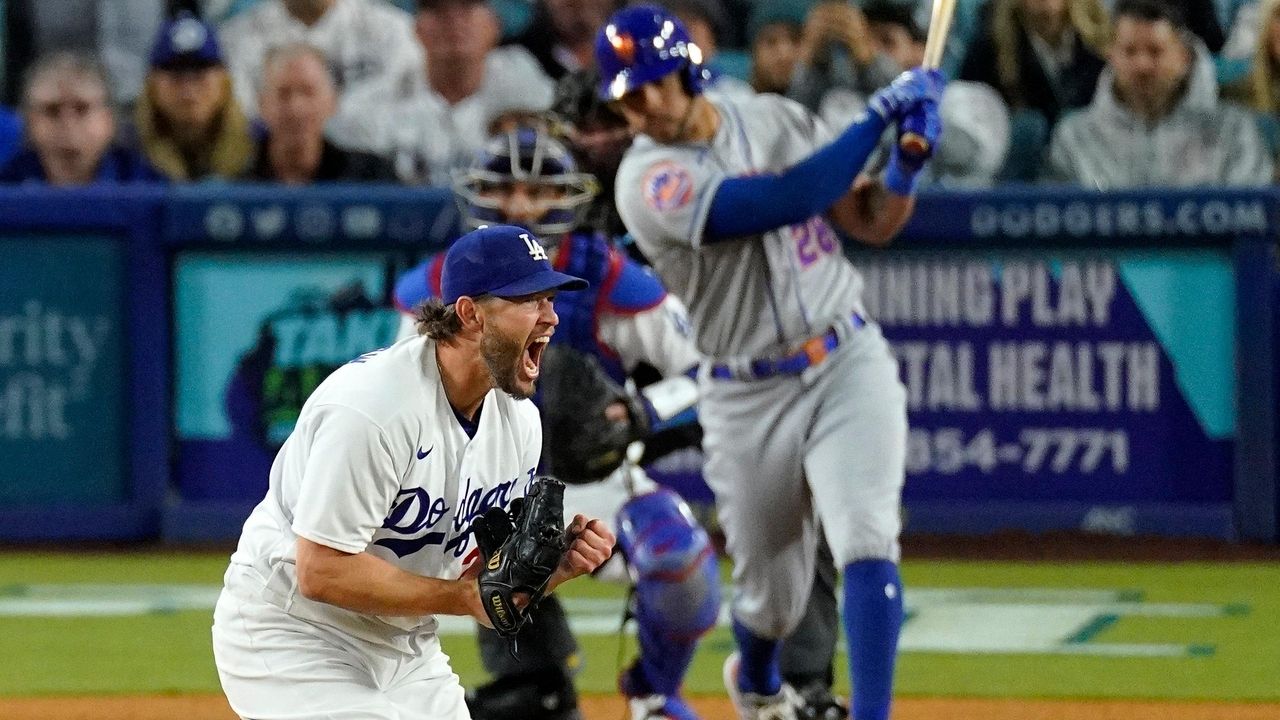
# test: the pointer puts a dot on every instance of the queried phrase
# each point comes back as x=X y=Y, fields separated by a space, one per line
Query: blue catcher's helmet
x=525 y=154
x=644 y=43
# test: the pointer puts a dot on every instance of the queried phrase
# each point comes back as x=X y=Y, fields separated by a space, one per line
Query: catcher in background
x=404 y=466
x=525 y=177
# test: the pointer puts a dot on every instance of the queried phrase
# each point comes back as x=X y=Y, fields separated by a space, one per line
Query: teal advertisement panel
x=62 y=371
x=255 y=333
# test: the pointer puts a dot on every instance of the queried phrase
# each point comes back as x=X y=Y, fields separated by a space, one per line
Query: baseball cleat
x=659 y=707
x=818 y=703
x=783 y=705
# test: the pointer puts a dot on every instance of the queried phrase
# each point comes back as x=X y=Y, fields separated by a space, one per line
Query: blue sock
x=872 y=620
x=664 y=660
x=759 y=672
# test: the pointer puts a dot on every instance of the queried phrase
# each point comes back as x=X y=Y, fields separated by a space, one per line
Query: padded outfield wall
x=1073 y=360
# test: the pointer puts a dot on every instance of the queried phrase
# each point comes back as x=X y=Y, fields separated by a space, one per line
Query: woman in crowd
x=1043 y=55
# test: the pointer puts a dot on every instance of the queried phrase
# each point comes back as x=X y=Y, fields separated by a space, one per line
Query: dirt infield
x=214 y=707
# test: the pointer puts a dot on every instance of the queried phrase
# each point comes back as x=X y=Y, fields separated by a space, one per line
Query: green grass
x=169 y=652
x=1243 y=665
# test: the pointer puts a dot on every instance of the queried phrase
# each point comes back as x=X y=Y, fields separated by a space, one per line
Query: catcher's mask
x=525 y=159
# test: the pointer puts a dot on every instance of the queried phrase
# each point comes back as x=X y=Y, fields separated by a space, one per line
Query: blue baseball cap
x=186 y=41
x=500 y=260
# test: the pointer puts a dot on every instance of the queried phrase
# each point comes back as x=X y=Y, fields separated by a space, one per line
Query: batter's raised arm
x=814 y=185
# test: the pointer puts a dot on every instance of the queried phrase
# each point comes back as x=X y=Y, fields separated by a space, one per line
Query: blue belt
x=809 y=353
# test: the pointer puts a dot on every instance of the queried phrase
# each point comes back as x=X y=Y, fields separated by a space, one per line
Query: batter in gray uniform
x=734 y=202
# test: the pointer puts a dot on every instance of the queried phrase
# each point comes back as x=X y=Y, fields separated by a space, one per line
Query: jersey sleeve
x=348 y=483
x=660 y=336
x=664 y=194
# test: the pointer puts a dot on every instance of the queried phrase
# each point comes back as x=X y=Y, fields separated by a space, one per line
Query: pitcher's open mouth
x=533 y=356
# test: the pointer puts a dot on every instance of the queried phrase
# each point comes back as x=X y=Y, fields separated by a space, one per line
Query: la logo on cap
x=535 y=250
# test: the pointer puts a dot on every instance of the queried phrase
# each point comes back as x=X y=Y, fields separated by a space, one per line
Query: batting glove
x=903 y=171
x=908 y=90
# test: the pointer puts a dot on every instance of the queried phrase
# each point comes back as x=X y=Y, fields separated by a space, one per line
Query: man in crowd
x=71 y=128
x=1156 y=118
x=363 y=42
x=298 y=98
x=431 y=127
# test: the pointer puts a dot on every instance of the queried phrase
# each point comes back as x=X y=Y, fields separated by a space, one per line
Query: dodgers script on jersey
x=378 y=462
x=786 y=285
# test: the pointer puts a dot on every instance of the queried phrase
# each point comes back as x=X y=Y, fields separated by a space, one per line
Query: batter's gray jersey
x=782 y=452
x=751 y=297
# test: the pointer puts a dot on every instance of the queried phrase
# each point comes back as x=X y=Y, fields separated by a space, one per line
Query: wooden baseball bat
x=939 y=27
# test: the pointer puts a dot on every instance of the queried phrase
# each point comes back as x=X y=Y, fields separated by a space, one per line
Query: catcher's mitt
x=580 y=443
x=520 y=551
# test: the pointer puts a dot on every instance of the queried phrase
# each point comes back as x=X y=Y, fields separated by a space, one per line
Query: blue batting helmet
x=644 y=43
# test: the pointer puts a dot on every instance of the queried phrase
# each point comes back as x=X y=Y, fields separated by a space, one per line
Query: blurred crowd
x=1098 y=93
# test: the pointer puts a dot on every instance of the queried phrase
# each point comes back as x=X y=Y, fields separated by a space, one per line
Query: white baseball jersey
x=367 y=42
x=425 y=136
x=747 y=297
x=379 y=463
x=659 y=336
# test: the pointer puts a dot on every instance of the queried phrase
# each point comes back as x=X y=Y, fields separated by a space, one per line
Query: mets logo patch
x=667 y=186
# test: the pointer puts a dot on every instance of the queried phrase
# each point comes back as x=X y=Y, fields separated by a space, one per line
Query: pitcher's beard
x=503 y=357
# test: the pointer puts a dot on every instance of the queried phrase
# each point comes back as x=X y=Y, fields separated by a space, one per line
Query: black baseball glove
x=520 y=550
x=580 y=442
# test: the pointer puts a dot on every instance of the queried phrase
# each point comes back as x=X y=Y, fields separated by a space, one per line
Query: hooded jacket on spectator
x=1201 y=141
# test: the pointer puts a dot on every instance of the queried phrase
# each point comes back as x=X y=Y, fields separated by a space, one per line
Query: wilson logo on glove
x=524 y=546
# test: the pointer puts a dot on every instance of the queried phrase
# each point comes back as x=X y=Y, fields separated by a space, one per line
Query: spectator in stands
x=562 y=33
x=774 y=31
x=188 y=121
x=976 y=121
x=1264 y=76
x=118 y=32
x=707 y=21
x=838 y=66
x=1156 y=118
x=365 y=42
x=432 y=127
x=1044 y=55
x=298 y=98
x=70 y=127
